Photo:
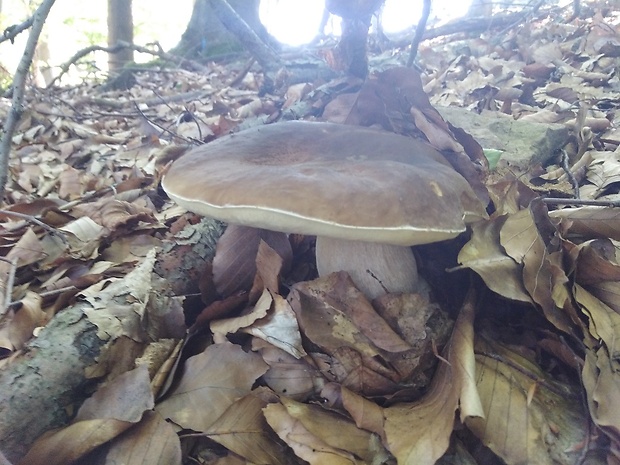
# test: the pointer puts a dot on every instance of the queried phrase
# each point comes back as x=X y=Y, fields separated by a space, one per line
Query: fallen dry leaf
x=73 y=442
x=356 y=343
x=602 y=385
x=279 y=328
x=211 y=382
x=19 y=323
x=590 y=221
x=112 y=410
x=320 y=437
x=419 y=433
x=531 y=240
x=232 y=325
x=153 y=441
x=333 y=313
x=27 y=250
x=243 y=430
x=520 y=427
x=234 y=264
x=125 y=398
x=486 y=256
x=295 y=378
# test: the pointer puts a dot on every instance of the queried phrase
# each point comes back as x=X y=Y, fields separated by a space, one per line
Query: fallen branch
x=473 y=25
x=41 y=387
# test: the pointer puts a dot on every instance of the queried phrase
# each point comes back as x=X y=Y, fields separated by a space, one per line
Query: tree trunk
x=120 y=28
x=206 y=36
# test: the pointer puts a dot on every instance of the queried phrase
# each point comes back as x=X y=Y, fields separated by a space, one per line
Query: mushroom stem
x=376 y=269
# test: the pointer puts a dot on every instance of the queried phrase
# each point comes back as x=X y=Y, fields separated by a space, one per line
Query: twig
x=467 y=25
x=12 y=31
x=44 y=295
x=8 y=287
x=542 y=382
x=246 y=69
x=163 y=129
x=121 y=46
x=32 y=219
x=567 y=169
x=521 y=15
x=419 y=32
x=19 y=84
x=576 y=11
x=581 y=202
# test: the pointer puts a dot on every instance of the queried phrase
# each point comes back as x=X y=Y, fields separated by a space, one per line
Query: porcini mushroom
x=367 y=195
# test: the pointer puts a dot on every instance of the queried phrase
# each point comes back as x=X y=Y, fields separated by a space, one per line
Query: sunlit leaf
x=486 y=256
x=280 y=328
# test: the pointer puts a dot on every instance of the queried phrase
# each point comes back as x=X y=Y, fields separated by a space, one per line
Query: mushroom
x=367 y=195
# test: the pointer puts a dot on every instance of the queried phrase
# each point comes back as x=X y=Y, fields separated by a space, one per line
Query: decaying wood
x=43 y=385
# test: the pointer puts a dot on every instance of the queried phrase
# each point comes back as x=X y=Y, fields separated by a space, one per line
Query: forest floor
x=522 y=346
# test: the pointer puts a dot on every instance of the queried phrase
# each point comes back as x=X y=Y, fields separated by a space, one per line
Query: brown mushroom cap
x=326 y=179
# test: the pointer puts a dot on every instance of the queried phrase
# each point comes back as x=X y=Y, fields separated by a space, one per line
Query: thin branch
x=44 y=295
x=19 y=84
x=13 y=31
x=158 y=52
x=163 y=129
x=419 y=32
x=567 y=169
x=581 y=202
x=32 y=219
x=242 y=74
x=8 y=285
x=469 y=25
x=524 y=371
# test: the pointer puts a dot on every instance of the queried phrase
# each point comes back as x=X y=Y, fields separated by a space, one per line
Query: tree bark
x=43 y=387
x=120 y=29
x=206 y=36
x=265 y=56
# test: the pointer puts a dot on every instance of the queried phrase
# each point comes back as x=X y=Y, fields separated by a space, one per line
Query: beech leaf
x=211 y=382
